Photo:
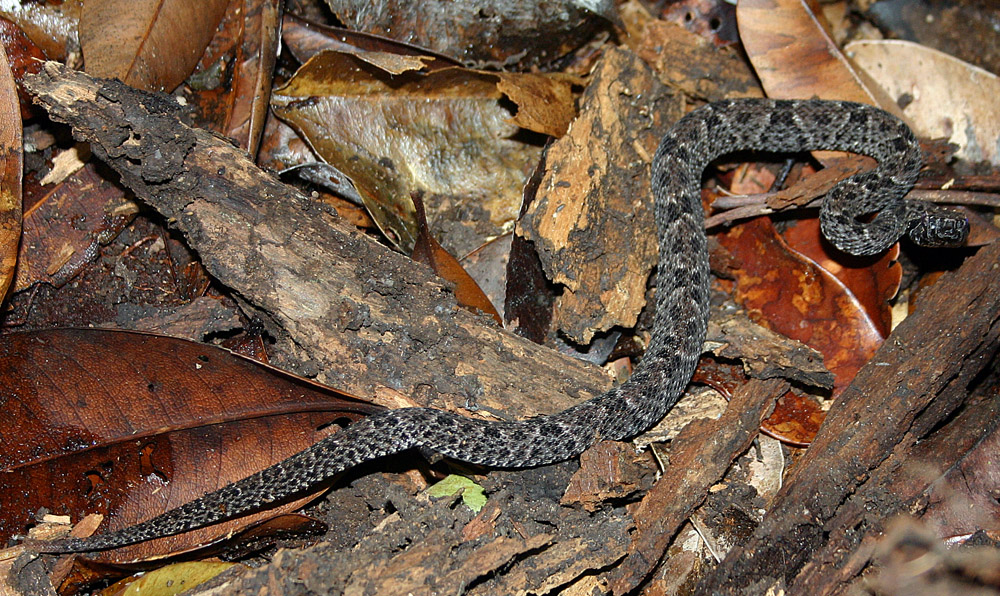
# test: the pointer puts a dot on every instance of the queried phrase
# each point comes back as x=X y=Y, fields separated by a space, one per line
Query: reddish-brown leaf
x=795 y=420
x=793 y=296
x=873 y=283
x=129 y=425
x=231 y=89
x=23 y=56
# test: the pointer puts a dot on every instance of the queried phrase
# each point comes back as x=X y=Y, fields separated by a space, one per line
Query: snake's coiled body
x=681 y=307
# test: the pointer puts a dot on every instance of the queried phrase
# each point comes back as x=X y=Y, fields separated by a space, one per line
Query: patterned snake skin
x=681 y=308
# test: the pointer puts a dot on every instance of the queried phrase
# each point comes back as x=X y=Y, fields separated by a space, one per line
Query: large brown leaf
x=129 y=425
x=149 y=44
x=776 y=33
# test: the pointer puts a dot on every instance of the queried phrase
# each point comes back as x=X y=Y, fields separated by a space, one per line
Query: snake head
x=937 y=226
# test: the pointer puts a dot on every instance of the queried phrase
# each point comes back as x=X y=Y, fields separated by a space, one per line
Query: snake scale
x=682 y=298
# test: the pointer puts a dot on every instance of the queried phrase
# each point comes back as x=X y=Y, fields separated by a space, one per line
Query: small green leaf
x=472 y=493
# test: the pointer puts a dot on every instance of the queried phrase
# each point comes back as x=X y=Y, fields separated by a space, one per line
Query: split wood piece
x=699 y=457
x=916 y=380
x=344 y=308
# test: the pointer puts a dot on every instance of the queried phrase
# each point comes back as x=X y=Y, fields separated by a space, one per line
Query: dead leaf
x=305 y=39
x=11 y=159
x=53 y=27
x=793 y=296
x=545 y=102
x=130 y=425
x=483 y=32
x=941 y=96
x=247 y=42
x=444 y=133
x=64 y=229
x=149 y=44
x=487 y=265
x=874 y=284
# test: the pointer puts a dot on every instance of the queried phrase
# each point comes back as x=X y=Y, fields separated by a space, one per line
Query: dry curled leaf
x=52 y=26
x=483 y=32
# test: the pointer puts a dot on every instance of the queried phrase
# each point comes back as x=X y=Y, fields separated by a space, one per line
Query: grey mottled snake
x=681 y=308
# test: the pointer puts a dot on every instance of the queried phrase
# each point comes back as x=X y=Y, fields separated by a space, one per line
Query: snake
x=862 y=215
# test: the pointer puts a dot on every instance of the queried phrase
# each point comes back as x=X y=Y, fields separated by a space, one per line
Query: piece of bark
x=693 y=64
x=913 y=383
x=343 y=307
x=601 y=167
x=914 y=480
x=699 y=456
x=766 y=354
